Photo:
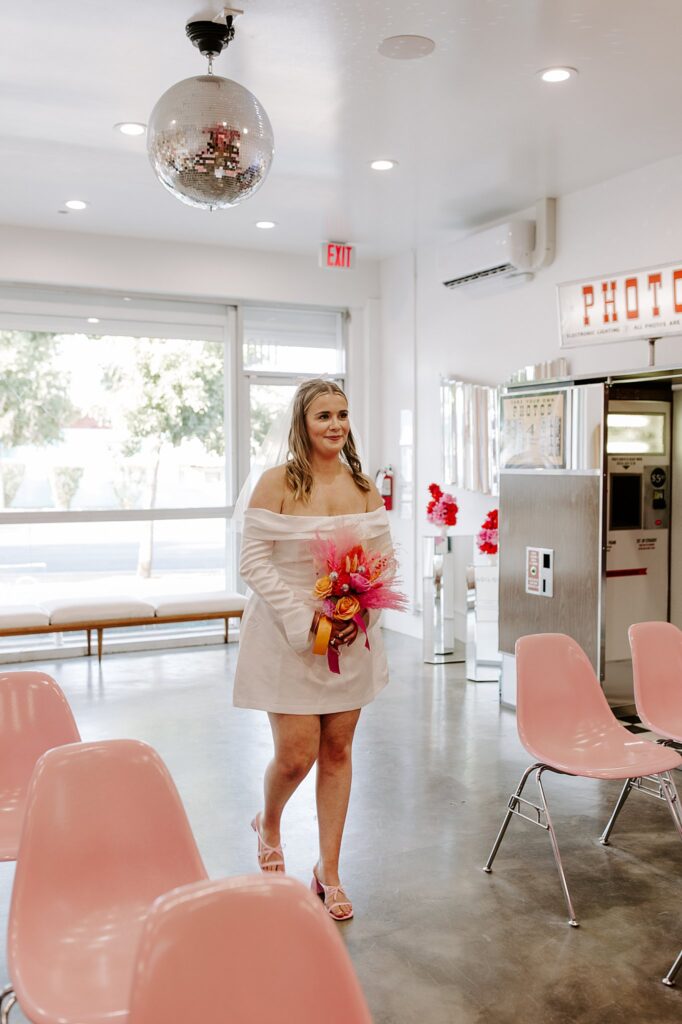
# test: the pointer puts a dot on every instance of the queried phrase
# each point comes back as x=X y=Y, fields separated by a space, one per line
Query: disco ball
x=210 y=142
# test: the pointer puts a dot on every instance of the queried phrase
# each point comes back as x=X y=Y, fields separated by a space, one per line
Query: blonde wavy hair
x=299 y=472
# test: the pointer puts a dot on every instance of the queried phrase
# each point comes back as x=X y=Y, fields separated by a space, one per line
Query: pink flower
x=359 y=582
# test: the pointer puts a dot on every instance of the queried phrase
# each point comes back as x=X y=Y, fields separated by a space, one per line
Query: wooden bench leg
x=99 y=645
x=88 y=631
x=227 y=630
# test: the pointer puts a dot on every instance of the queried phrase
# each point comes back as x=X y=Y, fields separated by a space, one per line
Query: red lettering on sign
x=631 y=294
x=588 y=292
x=336 y=255
x=654 y=281
x=677 y=277
x=609 y=302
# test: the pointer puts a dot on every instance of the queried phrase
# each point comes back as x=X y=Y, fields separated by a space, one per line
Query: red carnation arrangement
x=487 y=539
x=442 y=509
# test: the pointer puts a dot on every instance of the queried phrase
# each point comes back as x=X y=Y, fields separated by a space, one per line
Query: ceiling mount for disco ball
x=211 y=37
x=209 y=140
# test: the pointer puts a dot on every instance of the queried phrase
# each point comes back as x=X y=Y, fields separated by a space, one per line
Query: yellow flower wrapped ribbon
x=323 y=588
x=346 y=608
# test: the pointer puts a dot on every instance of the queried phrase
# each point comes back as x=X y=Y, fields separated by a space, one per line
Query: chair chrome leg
x=555 y=850
x=672 y=798
x=7 y=1001
x=624 y=793
x=4 y=993
x=507 y=818
x=672 y=973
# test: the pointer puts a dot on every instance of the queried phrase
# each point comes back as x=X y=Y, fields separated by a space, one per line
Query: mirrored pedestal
x=483 y=659
x=441 y=570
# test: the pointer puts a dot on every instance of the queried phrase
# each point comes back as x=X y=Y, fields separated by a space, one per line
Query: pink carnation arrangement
x=487 y=539
x=442 y=509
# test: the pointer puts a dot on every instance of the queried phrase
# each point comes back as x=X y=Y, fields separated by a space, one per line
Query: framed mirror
x=469 y=416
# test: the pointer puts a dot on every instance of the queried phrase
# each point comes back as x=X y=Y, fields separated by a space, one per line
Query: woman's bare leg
x=334 y=774
x=297 y=740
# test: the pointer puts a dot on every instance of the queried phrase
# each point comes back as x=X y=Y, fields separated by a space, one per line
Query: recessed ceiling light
x=93 y=319
x=75 y=204
x=266 y=224
x=126 y=298
x=557 y=74
x=406 y=47
x=383 y=165
x=131 y=127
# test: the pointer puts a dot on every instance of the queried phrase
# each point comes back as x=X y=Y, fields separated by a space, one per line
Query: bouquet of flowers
x=350 y=579
x=442 y=509
x=487 y=538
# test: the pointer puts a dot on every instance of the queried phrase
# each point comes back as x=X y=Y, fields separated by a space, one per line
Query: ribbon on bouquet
x=321 y=643
x=322 y=635
x=360 y=623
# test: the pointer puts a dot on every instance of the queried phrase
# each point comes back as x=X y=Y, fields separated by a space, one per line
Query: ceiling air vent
x=479 y=275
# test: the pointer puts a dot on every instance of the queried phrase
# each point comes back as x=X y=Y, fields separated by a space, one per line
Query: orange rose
x=346 y=608
x=323 y=588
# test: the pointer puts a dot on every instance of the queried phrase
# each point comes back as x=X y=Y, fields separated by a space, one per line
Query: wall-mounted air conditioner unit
x=507 y=254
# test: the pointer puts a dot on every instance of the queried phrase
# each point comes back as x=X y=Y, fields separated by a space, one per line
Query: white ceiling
x=476 y=133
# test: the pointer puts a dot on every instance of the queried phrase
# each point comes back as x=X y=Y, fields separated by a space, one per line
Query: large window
x=44 y=560
x=126 y=427
x=120 y=424
x=100 y=422
x=281 y=347
x=116 y=437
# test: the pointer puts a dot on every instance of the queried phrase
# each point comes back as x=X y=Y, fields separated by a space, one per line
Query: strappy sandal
x=270 y=858
x=330 y=894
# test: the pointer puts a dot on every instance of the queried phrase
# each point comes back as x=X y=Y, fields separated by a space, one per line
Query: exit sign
x=337 y=256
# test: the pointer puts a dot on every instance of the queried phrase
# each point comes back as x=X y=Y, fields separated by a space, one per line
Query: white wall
x=164 y=268
x=628 y=222
x=395 y=390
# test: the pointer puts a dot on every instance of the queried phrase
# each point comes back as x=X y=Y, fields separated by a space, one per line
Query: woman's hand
x=343 y=633
x=346 y=632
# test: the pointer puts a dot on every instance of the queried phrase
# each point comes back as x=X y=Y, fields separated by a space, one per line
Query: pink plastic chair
x=657 y=672
x=105 y=834
x=566 y=724
x=257 y=948
x=34 y=717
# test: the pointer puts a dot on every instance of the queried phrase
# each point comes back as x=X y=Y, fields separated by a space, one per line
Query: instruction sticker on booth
x=540 y=571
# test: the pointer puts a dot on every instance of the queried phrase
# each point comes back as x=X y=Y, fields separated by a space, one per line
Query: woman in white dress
x=313 y=712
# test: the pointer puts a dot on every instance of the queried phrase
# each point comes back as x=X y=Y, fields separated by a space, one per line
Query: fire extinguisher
x=384 y=482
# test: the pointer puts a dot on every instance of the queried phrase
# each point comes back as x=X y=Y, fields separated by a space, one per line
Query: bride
x=313 y=712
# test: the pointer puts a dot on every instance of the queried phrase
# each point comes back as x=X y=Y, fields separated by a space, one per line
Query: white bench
x=100 y=613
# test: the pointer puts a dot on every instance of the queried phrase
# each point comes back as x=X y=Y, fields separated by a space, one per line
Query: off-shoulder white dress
x=276 y=669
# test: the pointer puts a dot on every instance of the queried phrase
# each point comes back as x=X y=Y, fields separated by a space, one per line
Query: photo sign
x=622 y=307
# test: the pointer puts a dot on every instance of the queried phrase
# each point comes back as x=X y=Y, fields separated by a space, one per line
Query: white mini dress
x=276 y=668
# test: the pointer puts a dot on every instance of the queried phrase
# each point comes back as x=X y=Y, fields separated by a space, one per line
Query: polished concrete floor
x=434 y=939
